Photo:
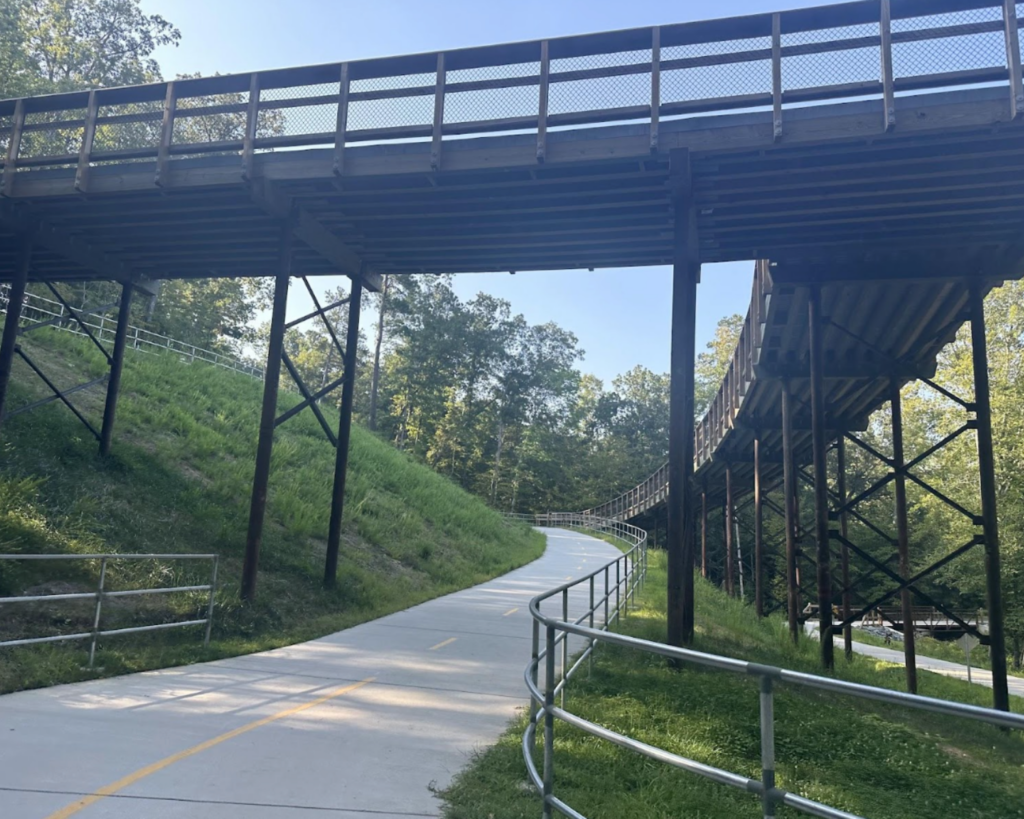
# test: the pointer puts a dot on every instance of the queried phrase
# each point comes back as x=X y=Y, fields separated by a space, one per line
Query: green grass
x=866 y=758
x=179 y=480
x=936 y=649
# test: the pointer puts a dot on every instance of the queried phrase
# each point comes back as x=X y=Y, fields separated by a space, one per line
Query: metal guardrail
x=39 y=311
x=875 y=49
x=101 y=594
x=556 y=676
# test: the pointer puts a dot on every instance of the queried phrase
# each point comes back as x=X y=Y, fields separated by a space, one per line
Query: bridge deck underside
x=836 y=187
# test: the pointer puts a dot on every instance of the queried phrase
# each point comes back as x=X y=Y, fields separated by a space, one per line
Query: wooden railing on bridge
x=719 y=416
x=876 y=49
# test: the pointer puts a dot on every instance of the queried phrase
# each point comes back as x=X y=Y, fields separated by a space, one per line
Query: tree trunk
x=375 y=380
x=496 y=472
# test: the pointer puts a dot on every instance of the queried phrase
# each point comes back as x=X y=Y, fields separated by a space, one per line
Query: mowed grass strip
x=870 y=759
x=179 y=480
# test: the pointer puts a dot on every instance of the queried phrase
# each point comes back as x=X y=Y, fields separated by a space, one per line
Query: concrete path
x=895 y=655
x=979 y=676
x=358 y=725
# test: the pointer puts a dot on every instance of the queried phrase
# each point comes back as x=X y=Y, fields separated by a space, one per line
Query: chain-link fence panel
x=851 y=64
x=492 y=103
x=283 y=112
x=946 y=43
x=620 y=90
x=414 y=108
x=702 y=79
x=1020 y=23
x=127 y=126
x=193 y=128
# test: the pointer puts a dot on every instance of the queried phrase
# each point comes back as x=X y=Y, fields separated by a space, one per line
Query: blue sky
x=621 y=317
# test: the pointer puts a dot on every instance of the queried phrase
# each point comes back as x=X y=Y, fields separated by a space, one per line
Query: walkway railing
x=39 y=311
x=557 y=631
x=876 y=49
x=103 y=594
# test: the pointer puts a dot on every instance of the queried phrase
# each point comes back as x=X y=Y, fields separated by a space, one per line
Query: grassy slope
x=870 y=759
x=179 y=481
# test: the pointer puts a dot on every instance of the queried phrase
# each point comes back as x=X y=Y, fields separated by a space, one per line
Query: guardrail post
x=209 y=604
x=618 y=586
x=565 y=644
x=99 y=611
x=15 y=302
x=549 y=722
x=767 y=746
x=534 y=657
x=607 y=598
x=593 y=642
x=1013 y=58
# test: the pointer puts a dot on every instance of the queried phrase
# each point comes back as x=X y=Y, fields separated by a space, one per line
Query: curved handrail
x=557 y=631
x=717 y=420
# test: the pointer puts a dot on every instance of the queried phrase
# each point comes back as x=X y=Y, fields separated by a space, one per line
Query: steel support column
x=758 y=532
x=344 y=432
x=789 y=495
x=116 y=366
x=902 y=534
x=16 y=298
x=681 y=506
x=844 y=531
x=268 y=418
x=990 y=523
x=704 y=533
x=730 y=569
x=819 y=446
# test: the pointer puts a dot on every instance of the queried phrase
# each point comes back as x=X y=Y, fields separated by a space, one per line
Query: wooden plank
x=888 y=93
x=252 y=116
x=1013 y=58
x=655 y=86
x=542 y=104
x=166 y=134
x=435 y=145
x=344 y=87
x=13 y=147
x=88 y=135
x=777 y=76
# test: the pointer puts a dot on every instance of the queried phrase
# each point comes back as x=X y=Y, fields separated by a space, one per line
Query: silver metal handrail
x=39 y=310
x=542 y=699
x=101 y=594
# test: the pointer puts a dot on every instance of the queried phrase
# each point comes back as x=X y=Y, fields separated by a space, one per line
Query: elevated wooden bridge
x=870 y=150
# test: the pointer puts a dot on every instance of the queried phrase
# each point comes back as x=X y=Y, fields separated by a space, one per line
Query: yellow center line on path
x=444 y=643
x=142 y=773
x=510 y=611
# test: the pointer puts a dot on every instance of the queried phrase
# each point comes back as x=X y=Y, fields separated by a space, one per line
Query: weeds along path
x=360 y=724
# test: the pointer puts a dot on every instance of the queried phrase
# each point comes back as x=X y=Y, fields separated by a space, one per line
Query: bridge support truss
x=10 y=349
x=277 y=357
